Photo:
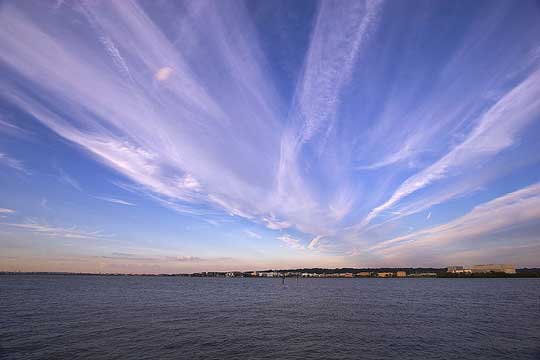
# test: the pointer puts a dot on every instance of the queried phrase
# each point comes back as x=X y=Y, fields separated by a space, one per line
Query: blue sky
x=174 y=136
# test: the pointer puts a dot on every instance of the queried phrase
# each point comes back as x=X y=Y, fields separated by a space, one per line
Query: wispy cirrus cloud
x=386 y=119
x=12 y=163
x=330 y=61
x=510 y=211
x=459 y=84
x=68 y=180
x=72 y=232
x=191 y=167
x=291 y=242
x=496 y=131
x=9 y=128
x=315 y=242
x=152 y=258
x=252 y=234
x=149 y=155
x=115 y=201
x=6 y=212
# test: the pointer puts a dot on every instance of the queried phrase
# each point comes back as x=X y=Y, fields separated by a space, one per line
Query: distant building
x=234 y=274
x=385 y=274
x=330 y=275
x=423 y=275
x=454 y=268
x=364 y=274
x=486 y=268
x=292 y=274
x=401 y=274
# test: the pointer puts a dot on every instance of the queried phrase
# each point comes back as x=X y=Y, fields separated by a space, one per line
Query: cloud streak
x=115 y=201
x=392 y=111
x=291 y=242
x=506 y=212
x=57 y=231
x=12 y=163
x=496 y=131
x=252 y=234
x=153 y=258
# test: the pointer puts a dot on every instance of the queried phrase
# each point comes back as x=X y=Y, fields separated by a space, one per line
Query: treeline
x=441 y=272
x=408 y=270
x=518 y=274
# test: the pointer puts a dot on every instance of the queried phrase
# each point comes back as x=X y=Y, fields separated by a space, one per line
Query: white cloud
x=185 y=258
x=57 y=231
x=12 y=163
x=68 y=180
x=252 y=234
x=9 y=128
x=291 y=242
x=137 y=257
x=327 y=70
x=186 y=121
x=496 y=131
x=330 y=60
x=510 y=210
x=274 y=224
x=115 y=201
x=314 y=243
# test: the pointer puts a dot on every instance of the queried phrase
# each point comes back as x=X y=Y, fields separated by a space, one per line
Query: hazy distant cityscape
x=368 y=273
x=453 y=271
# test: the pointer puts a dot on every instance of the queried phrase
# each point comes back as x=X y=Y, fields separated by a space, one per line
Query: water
x=66 y=317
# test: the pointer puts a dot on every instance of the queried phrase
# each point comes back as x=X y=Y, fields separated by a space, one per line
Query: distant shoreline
x=520 y=273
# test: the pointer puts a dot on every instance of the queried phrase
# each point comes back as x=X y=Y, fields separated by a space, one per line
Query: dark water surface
x=77 y=317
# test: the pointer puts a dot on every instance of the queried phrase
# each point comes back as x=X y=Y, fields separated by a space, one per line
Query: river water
x=104 y=317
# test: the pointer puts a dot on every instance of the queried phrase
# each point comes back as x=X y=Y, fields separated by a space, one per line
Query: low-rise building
x=364 y=274
x=330 y=275
x=234 y=274
x=401 y=274
x=454 y=268
x=385 y=274
x=486 y=268
x=423 y=275
x=269 y=274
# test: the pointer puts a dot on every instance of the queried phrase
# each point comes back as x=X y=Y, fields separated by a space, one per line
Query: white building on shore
x=486 y=268
x=458 y=269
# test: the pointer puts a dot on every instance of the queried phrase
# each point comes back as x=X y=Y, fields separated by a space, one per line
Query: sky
x=183 y=136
